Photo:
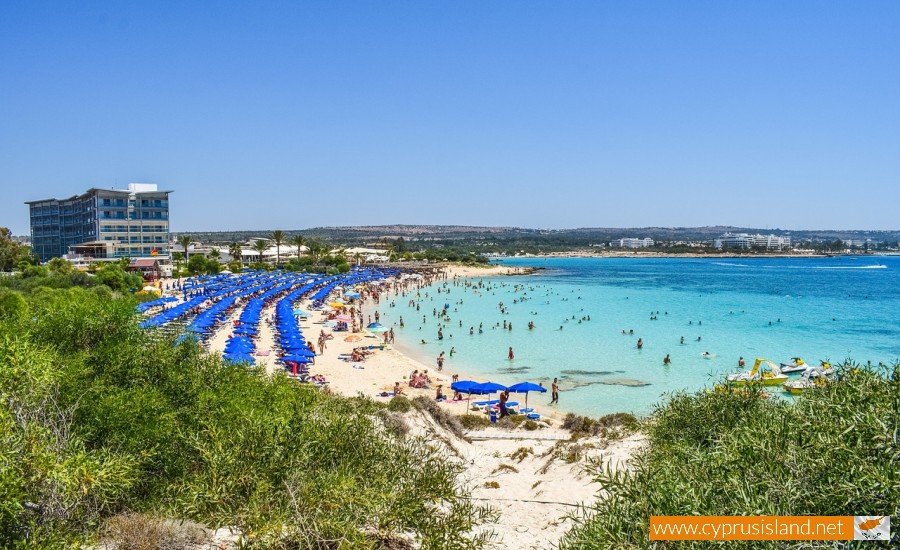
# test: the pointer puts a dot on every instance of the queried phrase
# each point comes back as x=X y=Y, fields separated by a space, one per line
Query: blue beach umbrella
x=526 y=387
x=467 y=387
x=488 y=387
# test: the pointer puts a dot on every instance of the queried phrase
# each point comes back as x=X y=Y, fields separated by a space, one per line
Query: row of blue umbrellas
x=470 y=387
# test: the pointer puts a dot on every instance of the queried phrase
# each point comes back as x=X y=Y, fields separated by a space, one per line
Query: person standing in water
x=666 y=360
x=511 y=354
x=554 y=392
x=640 y=344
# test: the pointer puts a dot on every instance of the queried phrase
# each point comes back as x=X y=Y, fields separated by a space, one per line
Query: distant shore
x=656 y=254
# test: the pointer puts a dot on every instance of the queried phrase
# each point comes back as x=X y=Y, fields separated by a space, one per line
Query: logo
x=871 y=528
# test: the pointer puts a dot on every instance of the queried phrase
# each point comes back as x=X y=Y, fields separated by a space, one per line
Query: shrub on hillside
x=399 y=404
x=832 y=451
x=99 y=416
x=443 y=418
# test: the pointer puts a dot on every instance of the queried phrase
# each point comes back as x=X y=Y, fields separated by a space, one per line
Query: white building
x=632 y=243
x=745 y=241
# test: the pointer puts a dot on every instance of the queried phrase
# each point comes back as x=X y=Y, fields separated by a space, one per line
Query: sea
x=704 y=313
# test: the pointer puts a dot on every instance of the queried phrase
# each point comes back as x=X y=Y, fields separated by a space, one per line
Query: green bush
x=474 y=421
x=400 y=404
x=99 y=417
x=833 y=451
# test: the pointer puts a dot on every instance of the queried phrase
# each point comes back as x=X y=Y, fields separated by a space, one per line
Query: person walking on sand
x=511 y=354
x=554 y=391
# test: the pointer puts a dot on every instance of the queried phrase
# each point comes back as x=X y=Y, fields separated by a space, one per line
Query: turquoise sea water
x=776 y=308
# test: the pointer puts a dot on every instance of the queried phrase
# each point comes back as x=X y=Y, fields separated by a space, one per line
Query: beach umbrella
x=376 y=328
x=467 y=387
x=343 y=317
x=526 y=387
x=353 y=338
x=488 y=387
x=352 y=295
x=300 y=313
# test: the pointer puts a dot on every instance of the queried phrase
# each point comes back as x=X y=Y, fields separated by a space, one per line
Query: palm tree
x=234 y=250
x=185 y=242
x=214 y=254
x=277 y=238
x=299 y=241
x=261 y=245
x=316 y=247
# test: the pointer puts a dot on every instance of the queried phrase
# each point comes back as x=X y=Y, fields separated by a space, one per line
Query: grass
x=506 y=468
x=611 y=426
x=521 y=453
x=474 y=421
x=831 y=452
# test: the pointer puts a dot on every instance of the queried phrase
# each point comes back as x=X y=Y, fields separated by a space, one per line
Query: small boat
x=796 y=365
x=770 y=376
x=813 y=377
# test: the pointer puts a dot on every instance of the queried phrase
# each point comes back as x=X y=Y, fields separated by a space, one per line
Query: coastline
x=533 y=479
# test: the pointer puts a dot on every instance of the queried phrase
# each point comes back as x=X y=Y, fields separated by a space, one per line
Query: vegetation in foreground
x=100 y=420
x=834 y=451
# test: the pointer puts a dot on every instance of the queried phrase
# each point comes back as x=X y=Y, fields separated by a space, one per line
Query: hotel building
x=103 y=224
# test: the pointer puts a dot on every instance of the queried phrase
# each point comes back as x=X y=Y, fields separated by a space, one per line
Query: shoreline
x=385 y=367
x=532 y=479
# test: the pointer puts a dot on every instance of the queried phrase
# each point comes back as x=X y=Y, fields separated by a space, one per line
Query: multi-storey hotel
x=745 y=241
x=103 y=223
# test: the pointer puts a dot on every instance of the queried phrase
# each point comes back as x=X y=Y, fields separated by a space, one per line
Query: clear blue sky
x=537 y=114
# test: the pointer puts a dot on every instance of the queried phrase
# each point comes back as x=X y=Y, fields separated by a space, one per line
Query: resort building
x=632 y=243
x=745 y=241
x=102 y=224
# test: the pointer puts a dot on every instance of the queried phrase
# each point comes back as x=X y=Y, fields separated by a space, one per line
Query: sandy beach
x=533 y=491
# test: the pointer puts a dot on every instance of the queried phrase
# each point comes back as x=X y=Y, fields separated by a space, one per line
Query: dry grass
x=135 y=531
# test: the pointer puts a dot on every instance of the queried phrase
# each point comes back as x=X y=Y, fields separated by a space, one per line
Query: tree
x=215 y=254
x=234 y=250
x=299 y=241
x=260 y=246
x=197 y=265
x=113 y=276
x=11 y=252
x=61 y=266
x=277 y=238
x=316 y=248
x=185 y=242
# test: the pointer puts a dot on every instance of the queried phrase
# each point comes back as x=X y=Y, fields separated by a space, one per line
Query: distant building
x=102 y=223
x=745 y=241
x=632 y=243
x=860 y=243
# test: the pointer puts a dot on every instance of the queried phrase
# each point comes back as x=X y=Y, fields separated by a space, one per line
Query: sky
x=540 y=114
